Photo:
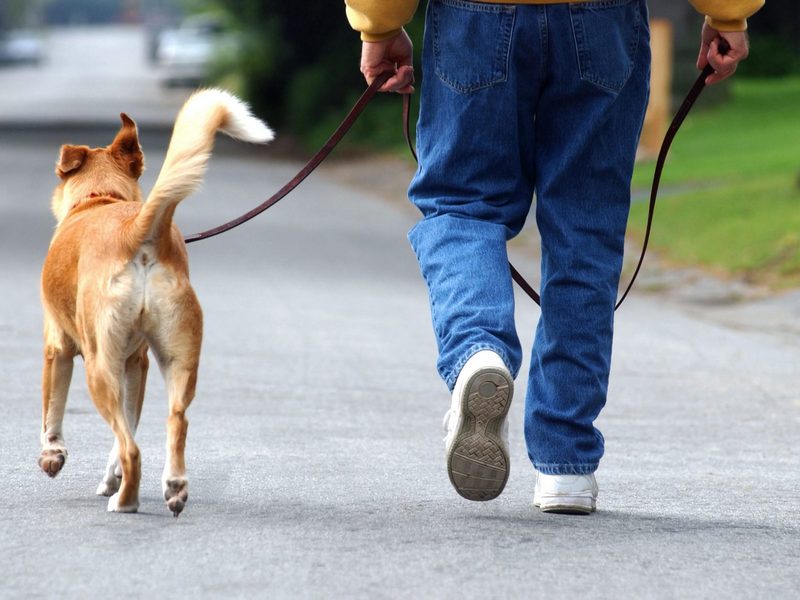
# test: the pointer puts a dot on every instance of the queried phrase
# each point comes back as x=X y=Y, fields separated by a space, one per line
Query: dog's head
x=90 y=172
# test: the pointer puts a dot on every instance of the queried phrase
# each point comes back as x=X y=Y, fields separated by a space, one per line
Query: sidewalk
x=315 y=448
x=726 y=301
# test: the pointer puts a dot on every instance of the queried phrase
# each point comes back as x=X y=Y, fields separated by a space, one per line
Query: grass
x=731 y=187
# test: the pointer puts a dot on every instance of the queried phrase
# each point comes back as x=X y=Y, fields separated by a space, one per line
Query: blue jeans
x=520 y=100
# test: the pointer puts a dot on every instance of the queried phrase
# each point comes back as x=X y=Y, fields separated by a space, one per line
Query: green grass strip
x=731 y=200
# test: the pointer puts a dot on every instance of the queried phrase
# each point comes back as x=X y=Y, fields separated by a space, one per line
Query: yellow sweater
x=381 y=19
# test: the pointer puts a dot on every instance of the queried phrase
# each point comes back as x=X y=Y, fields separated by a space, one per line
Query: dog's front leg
x=112 y=476
x=56 y=377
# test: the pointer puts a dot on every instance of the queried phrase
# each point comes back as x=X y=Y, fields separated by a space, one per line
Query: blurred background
x=296 y=62
x=731 y=196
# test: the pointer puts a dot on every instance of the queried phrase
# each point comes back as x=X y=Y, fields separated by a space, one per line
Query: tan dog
x=115 y=282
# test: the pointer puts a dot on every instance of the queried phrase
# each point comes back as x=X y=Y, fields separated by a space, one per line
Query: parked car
x=185 y=54
x=155 y=23
x=20 y=47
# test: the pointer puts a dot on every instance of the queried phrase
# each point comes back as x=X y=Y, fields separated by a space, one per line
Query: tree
x=298 y=66
x=775 y=40
x=778 y=18
x=82 y=11
x=18 y=13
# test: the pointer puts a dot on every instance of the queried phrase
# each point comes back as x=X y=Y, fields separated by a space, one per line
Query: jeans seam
x=565 y=468
x=609 y=3
x=436 y=329
x=473 y=6
x=544 y=26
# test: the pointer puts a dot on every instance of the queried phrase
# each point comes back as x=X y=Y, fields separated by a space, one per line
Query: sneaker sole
x=576 y=506
x=477 y=461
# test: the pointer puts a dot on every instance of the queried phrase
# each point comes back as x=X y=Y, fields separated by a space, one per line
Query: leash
x=680 y=116
x=369 y=93
x=312 y=164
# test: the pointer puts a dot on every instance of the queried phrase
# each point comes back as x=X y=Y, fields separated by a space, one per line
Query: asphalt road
x=88 y=75
x=315 y=457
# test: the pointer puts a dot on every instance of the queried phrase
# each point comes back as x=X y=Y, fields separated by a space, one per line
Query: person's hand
x=394 y=54
x=724 y=64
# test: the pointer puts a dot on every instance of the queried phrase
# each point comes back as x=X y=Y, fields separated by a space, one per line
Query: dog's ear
x=126 y=149
x=71 y=159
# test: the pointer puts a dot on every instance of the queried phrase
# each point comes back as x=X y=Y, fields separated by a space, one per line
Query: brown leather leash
x=312 y=164
x=370 y=92
x=680 y=116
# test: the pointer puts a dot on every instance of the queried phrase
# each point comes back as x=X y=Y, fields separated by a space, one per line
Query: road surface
x=315 y=454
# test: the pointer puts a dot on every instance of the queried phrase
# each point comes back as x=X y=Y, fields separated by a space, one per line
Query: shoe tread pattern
x=478 y=462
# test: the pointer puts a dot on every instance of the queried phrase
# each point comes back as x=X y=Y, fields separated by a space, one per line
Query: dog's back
x=110 y=243
x=116 y=281
x=100 y=288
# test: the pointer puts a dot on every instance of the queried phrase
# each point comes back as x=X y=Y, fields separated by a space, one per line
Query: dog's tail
x=203 y=114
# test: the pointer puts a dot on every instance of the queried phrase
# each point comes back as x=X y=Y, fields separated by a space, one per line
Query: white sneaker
x=566 y=494
x=476 y=444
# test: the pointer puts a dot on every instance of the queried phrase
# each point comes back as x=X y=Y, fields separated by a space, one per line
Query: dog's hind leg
x=107 y=393
x=181 y=381
x=135 y=377
x=59 y=354
x=178 y=352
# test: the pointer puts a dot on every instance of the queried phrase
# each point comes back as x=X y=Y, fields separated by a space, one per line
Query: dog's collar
x=94 y=199
x=113 y=195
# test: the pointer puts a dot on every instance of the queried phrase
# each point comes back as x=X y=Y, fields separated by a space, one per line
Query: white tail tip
x=240 y=123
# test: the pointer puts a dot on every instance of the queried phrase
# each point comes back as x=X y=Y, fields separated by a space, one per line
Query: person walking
x=520 y=99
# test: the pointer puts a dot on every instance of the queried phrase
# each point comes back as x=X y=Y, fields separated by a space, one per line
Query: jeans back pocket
x=606 y=40
x=471 y=42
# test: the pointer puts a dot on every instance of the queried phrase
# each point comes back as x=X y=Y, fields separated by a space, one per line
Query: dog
x=115 y=284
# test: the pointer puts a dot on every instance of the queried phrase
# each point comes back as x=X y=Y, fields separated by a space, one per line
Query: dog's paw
x=52 y=460
x=176 y=493
x=114 y=506
x=112 y=478
x=109 y=487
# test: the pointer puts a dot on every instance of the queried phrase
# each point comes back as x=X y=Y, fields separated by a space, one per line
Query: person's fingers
x=702 y=57
x=721 y=64
x=395 y=55
x=397 y=86
x=374 y=60
x=371 y=72
x=718 y=76
x=726 y=64
x=401 y=81
x=405 y=58
x=707 y=34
